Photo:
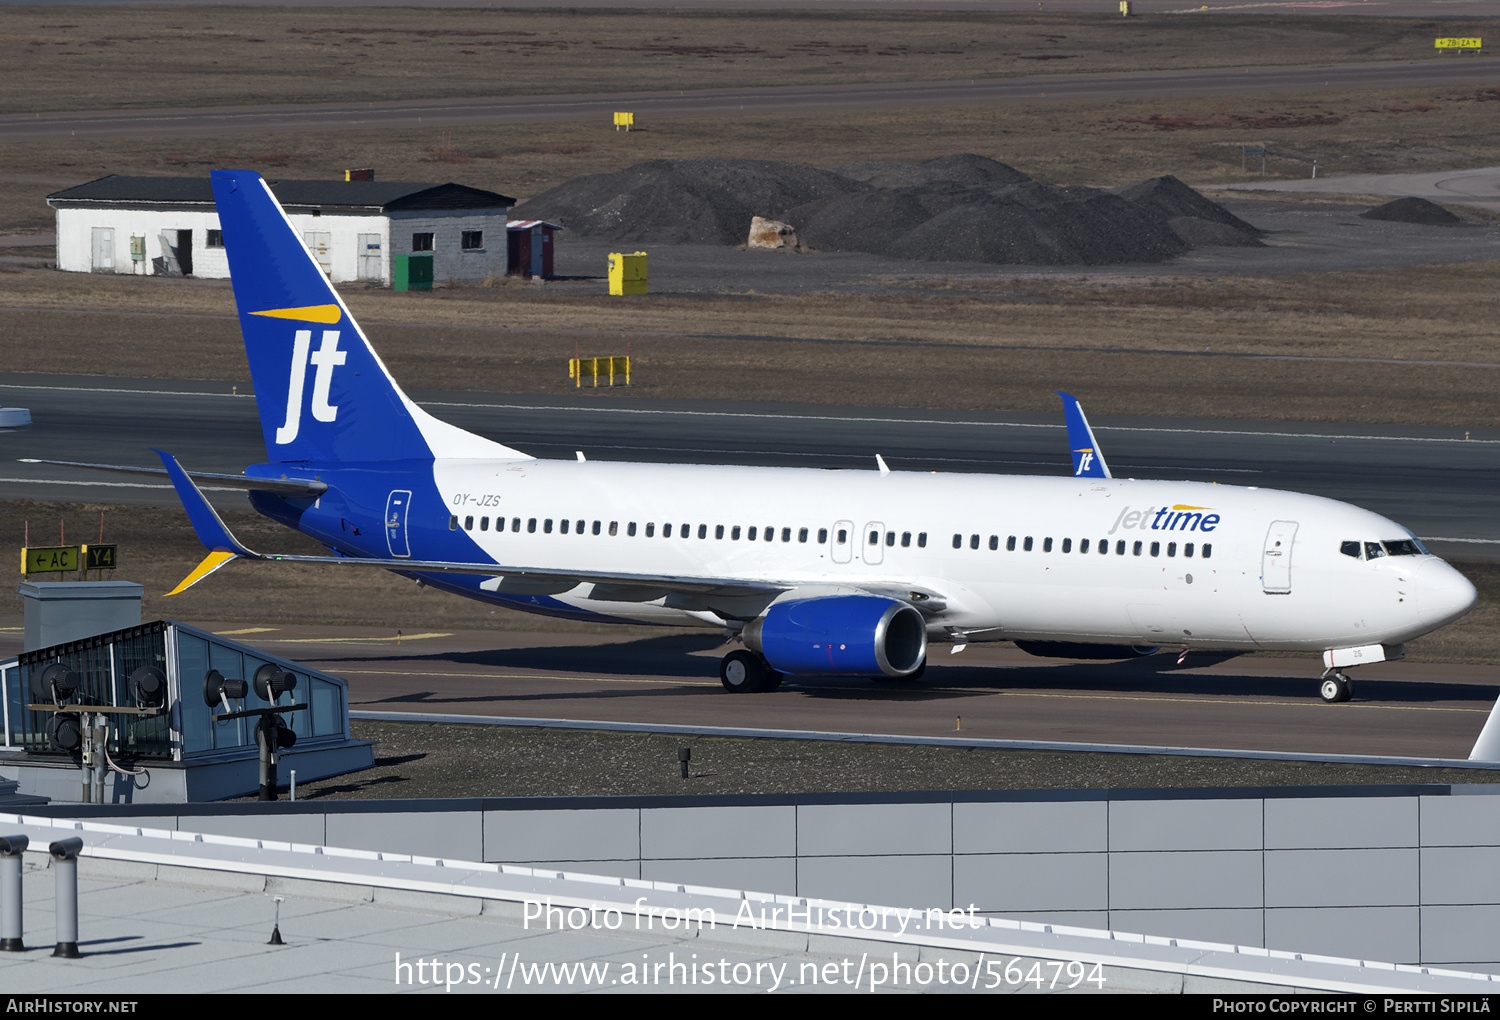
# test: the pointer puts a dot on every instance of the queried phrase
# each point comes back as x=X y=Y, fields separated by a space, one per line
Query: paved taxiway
x=1430 y=479
x=1406 y=709
x=1427 y=72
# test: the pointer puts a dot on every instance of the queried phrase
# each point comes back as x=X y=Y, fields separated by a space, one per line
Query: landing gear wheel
x=1336 y=688
x=744 y=672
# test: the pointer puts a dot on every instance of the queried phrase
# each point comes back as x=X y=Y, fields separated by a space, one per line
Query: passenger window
x=922 y=540
x=994 y=542
x=973 y=541
x=1187 y=550
x=1137 y=549
x=515 y=524
x=614 y=528
x=651 y=529
x=786 y=535
x=751 y=533
x=1120 y=548
x=734 y=533
x=719 y=532
x=822 y=536
x=890 y=537
x=484 y=524
x=596 y=527
x=686 y=531
x=841 y=537
x=1067 y=545
x=1010 y=544
x=666 y=531
x=630 y=529
x=1208 y=550
x=802 y=535
x=1155 y=548
x=547 y=526
x=1373 y=551
x=563 y=527
x=1171 y=548
x=874 y=538
x=703 y=531
x=906 y=540
x=453 y=523
x=958 y=541
x=1026 y=545
x=468 y=524
x=1083 y=545
x=770 y=534
x=1046 y=545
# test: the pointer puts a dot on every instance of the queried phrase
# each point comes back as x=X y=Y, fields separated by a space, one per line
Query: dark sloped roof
x=384 y=195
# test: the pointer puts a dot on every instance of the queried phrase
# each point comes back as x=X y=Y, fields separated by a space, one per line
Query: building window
x=215 y=239
x=472 y=240
x=421 y=242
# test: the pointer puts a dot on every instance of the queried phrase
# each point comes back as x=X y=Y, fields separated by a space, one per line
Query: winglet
x=213 y=561
x=211 y=531
x=1088 y=459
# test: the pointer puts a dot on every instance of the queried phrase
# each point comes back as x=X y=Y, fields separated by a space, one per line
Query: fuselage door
x=841 y=542
x=871 y=543
x=396 y=508
x=1276 y=560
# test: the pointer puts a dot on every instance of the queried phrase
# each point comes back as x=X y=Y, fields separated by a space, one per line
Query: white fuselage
x=984 y=557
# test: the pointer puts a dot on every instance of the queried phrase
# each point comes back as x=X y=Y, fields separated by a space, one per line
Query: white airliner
x=817 y=572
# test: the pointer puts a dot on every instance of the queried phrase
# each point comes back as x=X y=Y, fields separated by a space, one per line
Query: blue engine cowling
x=840 y=635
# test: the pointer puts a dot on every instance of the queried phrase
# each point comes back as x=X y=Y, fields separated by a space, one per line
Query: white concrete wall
x=75 y=239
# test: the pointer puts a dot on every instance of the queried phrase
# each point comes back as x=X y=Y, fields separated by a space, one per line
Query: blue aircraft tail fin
x=323 y=392
x=1088 y=459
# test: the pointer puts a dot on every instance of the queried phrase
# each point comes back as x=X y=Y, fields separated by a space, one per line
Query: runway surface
x=183 y=122
x=1431 y=480
x=1479 y=187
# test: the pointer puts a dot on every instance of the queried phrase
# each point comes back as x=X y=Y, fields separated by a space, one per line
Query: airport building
x=168 y=226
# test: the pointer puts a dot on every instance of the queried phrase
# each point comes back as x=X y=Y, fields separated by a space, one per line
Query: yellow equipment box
x=627 y=273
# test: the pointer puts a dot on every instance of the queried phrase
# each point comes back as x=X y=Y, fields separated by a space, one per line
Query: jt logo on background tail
x=326 y=357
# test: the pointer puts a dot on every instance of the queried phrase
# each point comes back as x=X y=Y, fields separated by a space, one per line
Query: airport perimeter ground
x=1404 y=343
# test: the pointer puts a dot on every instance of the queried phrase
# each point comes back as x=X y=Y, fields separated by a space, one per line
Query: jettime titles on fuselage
x=1179 y=517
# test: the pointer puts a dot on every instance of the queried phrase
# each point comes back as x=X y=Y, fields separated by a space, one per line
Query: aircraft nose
x=1443 y=594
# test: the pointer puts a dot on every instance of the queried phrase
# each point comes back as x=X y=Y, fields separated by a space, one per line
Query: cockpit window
x=1350 y=549
x=1404 y=547
x=1373 y=551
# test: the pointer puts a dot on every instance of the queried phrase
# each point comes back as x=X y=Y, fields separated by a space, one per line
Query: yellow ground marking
x=328 y=314
x=352 y=640
x=522 y=676
x=245 y=630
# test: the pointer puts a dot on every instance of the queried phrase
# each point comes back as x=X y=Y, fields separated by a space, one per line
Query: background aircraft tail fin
x=323 y=392
x=1088 y=459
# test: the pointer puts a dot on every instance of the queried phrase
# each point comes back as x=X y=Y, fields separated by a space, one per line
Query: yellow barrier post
x=624 y=120
x=627 y=273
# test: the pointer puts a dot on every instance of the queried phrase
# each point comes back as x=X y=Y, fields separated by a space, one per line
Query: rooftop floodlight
x=65 y=731
x=271 y=682
x=148 y=685
x=55 y=682
x=218 y=689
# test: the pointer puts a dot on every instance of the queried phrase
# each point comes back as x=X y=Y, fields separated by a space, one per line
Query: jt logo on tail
x=325 y=358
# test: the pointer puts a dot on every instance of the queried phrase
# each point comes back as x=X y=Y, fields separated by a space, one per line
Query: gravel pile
x=1412 y=210
x=961 y=208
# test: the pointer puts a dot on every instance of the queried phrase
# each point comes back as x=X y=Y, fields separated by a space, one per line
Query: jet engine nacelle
x=840 y=635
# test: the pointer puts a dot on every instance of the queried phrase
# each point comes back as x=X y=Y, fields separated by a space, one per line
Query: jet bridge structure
x=162 y=741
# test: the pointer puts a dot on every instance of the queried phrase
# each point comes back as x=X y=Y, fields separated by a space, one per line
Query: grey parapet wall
x=1403 y=874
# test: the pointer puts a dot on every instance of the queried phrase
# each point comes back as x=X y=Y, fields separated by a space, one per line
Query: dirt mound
x=954 y=208
x=1192 y=217
x=683 y=201
x=1412 y=210
x=963 y=168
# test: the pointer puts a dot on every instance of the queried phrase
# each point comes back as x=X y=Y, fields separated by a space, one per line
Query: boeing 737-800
x=814 y=572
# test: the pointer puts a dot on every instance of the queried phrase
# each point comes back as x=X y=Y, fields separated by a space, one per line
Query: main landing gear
x=1336 y=687
x=744 y=672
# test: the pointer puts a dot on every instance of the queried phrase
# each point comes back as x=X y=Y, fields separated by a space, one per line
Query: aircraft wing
x=224 y=546
x=285 y=486
x=1088 y=459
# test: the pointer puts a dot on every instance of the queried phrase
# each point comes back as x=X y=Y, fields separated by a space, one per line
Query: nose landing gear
x=1335 y=687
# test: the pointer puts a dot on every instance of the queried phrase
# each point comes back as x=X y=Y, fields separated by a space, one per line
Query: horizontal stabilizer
x=283 y=486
